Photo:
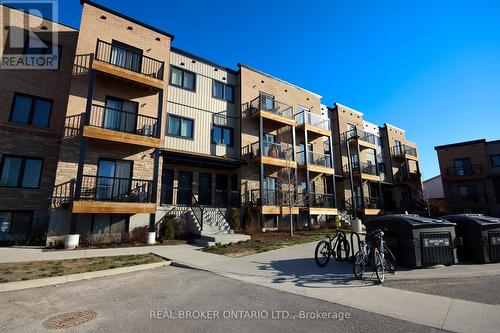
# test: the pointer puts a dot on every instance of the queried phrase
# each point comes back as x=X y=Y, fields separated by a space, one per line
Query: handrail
x=307 y=117
x=197 y=204
x=119 y=189
x=362 y=135
x=279 y=108
x=129 y=59
x=472 y=170
x=271 y=149
x=315 y=158
x=403 y=149
x=363 y=167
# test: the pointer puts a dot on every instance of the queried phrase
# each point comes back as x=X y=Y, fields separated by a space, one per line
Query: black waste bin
x=417 y=241
x=480 y=237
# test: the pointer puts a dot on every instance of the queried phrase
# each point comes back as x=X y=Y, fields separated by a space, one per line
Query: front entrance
x=167 y=187
x=184 y=194
x=205 y=189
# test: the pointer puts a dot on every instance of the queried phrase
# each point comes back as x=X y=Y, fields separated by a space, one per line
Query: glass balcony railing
x=309 y=118
x=281 y=151
x=265 y=103
x=314 y=158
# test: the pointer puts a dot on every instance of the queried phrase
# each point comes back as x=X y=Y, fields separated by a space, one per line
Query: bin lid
x=412 y=220
x=473 y=219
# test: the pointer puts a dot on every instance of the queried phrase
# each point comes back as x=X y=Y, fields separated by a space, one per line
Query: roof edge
x=206 y=61
x=131 y=19
x=458 y=144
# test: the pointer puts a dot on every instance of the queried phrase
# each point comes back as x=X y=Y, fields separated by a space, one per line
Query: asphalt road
x=481 y=289
x=131 y=302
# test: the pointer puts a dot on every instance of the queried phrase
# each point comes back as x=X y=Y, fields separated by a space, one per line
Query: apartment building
x=378 y=167
x=32 y=115
x=138 y=129
x=470 y=173
x=286 y=144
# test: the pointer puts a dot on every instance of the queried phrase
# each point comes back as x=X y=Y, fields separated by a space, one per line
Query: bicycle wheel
x=322 y=253
x=390 y=261
x=359 y=265
x=379 y=264
x=342 y=249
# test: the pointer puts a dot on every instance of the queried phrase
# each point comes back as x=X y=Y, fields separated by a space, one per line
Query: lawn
x=267 y=241
x=29 y=270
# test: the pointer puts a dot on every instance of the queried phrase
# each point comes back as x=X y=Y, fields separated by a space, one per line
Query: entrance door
x=221 y=186
x=167 y=187
x=185 y=185
x=113 y=179
x=205 y=189
x=269 y=192
x=120 y=115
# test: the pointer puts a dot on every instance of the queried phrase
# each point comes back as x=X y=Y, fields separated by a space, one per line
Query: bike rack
x=351 y=258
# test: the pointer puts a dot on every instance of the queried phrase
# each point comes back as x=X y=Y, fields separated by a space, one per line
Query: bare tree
x=288 y=183
x=421 y=198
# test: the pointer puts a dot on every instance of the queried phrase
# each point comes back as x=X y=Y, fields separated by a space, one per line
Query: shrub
x=247 y=217
x=167 y=228
x=235 y=219
x=139 y=234
x=181 y=228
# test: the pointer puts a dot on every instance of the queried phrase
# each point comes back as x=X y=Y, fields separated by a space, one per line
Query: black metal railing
x=275 y=150
x=263 y=103
x=176 y=196
x=98 y=188
x=123 y=121
x=408 y=177
x=401 y=150
x=362 y=167
x=129 y=59
x=321 y=200
x=370 y=203
x=474 y=198
x=271 y=197
x=362 y=135
x=471 y=170
x=314 y=158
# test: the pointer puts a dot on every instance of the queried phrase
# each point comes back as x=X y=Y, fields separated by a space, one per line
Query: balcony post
x=351 y=180
x=294 y=158
x=261 y=166
x=160 y=114
x=332 y=164
x=154 y=188
x=361 y=191
x=306 y=161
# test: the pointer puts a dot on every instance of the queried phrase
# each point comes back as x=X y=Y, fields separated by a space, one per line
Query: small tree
x=247 y=217
x=235 y=219
x=167 y=228
x=289 y=186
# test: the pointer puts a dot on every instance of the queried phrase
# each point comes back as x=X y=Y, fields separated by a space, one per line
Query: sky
x=430 y=67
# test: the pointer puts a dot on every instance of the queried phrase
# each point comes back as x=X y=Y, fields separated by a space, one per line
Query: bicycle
x=332 y=246
x=374 y=252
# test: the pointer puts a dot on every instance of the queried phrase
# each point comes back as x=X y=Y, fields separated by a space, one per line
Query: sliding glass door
x=120 y=115
x=113 y=179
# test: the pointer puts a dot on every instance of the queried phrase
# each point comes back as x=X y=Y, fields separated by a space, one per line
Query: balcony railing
x=362 y=135
x=370 y=203
x=307 y=117
x=472 y=170
x=322 y=200
x=281 y=151
x=368 y=168
x=263 y=103
x=128 y=59
x=319 y=159
x=408 y=177
x=98 y=188
x=474 y=198
x=123 y=121
x=401 y=150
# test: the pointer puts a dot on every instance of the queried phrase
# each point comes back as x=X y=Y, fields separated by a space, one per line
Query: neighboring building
x=434 y=193
x=378 y=167
x=131 y=129
x=470 y=172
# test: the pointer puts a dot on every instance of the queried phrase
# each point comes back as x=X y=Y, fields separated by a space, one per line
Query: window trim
x=33 y=98
x=21 y=171
x=224 y=85
x=183 y=70
x=231 y=144
x=493 y=165
x=180 y=128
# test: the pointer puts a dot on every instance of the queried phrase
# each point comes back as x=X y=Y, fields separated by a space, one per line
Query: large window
x=15 y=222
x=462 y=166
x=18 y=171
x=31 y=110
x=222 y=135
x=223 y=91
x=126 y=56
x=182 y=78
x=180 y=126
x=495 y=160
x=467 y=191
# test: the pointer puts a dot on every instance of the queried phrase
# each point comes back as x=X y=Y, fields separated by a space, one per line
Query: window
x=495 y=160
x=467 y=191
x=18 y=171
x=31 y=110
x=15 y=222
x=381 y=168
x=267 y=102
x=222 y=135
x=223 y=91
x=462 y=166
x=180 y=126
x=33 y=46
x=126 y=56
x=182 y=78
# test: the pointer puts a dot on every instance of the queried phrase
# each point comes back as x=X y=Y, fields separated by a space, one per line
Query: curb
x=20 y=285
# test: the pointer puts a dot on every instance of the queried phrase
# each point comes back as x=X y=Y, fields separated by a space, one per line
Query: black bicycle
x=335 y=246
x=375 y=253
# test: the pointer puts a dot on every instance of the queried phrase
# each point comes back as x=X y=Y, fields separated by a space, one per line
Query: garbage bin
x=480 y=237
x=417 y=241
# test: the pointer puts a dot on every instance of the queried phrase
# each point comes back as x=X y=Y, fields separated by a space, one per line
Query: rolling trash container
x=417 y=241
x=480 y=236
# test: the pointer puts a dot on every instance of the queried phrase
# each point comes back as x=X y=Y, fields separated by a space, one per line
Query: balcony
x=405 y=178
x=318 y=203
x=116 y=125
x=128 y=64
x=274 y=201
x=313 y=123
x=468 y=172
x=317 y=162
x=114 y=195
x=404 y=151
x=371 y=205
x=470 y=200
x=364 y=139
x=271 y=109
x=366 y=171
x=276 y=154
